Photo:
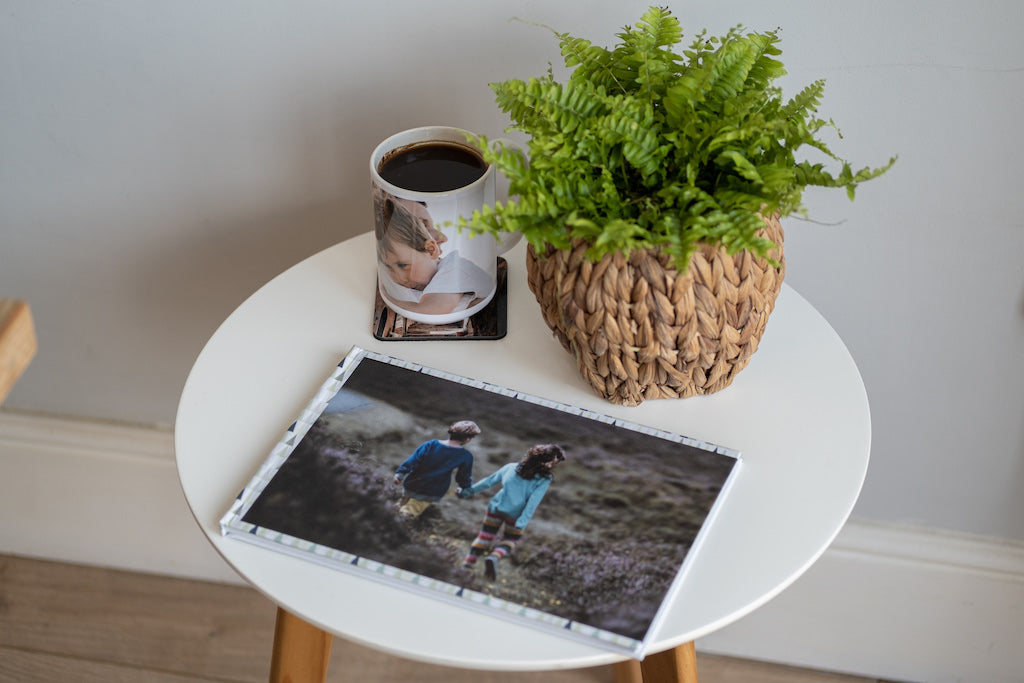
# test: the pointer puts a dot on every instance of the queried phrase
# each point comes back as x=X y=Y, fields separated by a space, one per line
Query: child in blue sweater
x=427 y=475
x=523 y=486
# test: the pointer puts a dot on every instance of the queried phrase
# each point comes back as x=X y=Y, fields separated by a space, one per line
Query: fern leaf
x=661 y=27
x=805 y=101
x=592 y=64
x=641 y=148
x=807 y=173
x=740 y=164
x=546 y=105
x=765 y=69
x=576 y=51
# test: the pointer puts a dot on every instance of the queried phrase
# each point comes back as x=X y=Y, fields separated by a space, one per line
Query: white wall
x=159 y=161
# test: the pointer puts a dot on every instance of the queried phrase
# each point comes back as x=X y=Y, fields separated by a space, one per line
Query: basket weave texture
x=640 y=330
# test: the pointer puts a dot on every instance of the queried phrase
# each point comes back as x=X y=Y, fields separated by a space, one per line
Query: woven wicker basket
x=640 y=330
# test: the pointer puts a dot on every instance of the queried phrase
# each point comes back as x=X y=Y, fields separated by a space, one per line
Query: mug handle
x=508 y=239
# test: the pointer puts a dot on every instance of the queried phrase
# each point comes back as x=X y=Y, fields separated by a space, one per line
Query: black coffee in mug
x=432 y=167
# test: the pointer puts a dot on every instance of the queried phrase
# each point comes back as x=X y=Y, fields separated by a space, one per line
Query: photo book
x=555 y=517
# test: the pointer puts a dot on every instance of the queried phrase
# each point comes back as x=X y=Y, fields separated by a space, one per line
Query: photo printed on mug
x=424 y=270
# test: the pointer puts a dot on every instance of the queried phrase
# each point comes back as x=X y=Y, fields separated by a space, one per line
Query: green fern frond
x=643 y=147
x=545 y=105
x=645 y=51
x=815 y=175
x=740 y=164
x=591 y=64
x=804 y=102
x=765 y=69
x=577 y=51
x=659 y=28
x=728 y=73
x=633 y=130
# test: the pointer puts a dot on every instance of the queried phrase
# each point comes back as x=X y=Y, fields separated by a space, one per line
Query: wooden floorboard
x=37 y=667
x=134 y=620
x=61 y=622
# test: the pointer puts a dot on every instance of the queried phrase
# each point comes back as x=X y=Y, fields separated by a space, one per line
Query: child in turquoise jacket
x=523 y=486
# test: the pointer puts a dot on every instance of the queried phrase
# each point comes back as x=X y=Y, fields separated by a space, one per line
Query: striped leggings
x=488 y=539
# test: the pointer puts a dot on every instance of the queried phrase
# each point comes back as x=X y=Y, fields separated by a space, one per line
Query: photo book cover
x=536 y=511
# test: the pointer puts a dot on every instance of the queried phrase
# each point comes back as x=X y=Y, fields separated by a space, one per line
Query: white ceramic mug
x=427 y=269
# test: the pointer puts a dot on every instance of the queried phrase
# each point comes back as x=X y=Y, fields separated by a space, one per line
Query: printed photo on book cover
x=578 y=519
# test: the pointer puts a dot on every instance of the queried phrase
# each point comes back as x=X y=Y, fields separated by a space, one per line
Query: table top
x=798 y=413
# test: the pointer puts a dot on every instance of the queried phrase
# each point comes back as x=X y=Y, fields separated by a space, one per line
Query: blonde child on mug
x=413 y=270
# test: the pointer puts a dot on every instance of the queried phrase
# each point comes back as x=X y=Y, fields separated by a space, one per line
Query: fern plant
x=643 y=147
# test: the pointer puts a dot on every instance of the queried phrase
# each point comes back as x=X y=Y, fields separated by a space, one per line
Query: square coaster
x=488 y=324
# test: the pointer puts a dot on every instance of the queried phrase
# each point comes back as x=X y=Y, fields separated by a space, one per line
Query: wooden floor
x=62 y=622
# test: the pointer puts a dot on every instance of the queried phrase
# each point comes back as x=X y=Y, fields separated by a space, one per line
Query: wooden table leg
x=17 y=342
x=301 y=651
x=628 y=672
x=678 y=665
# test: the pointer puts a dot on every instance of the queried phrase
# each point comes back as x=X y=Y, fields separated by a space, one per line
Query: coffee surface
x=432 y=167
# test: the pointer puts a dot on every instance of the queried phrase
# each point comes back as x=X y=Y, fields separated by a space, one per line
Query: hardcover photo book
x=555 y=517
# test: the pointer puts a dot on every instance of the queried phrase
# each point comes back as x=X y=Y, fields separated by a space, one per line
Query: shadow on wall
x=197 y=275
x=199 y=279
x=159 y=241
x=200 y=273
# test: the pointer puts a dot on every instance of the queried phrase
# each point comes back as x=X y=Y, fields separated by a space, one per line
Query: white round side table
x=798 y=413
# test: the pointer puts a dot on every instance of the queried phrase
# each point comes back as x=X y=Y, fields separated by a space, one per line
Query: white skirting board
x=884 y=601
x=99 y=494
